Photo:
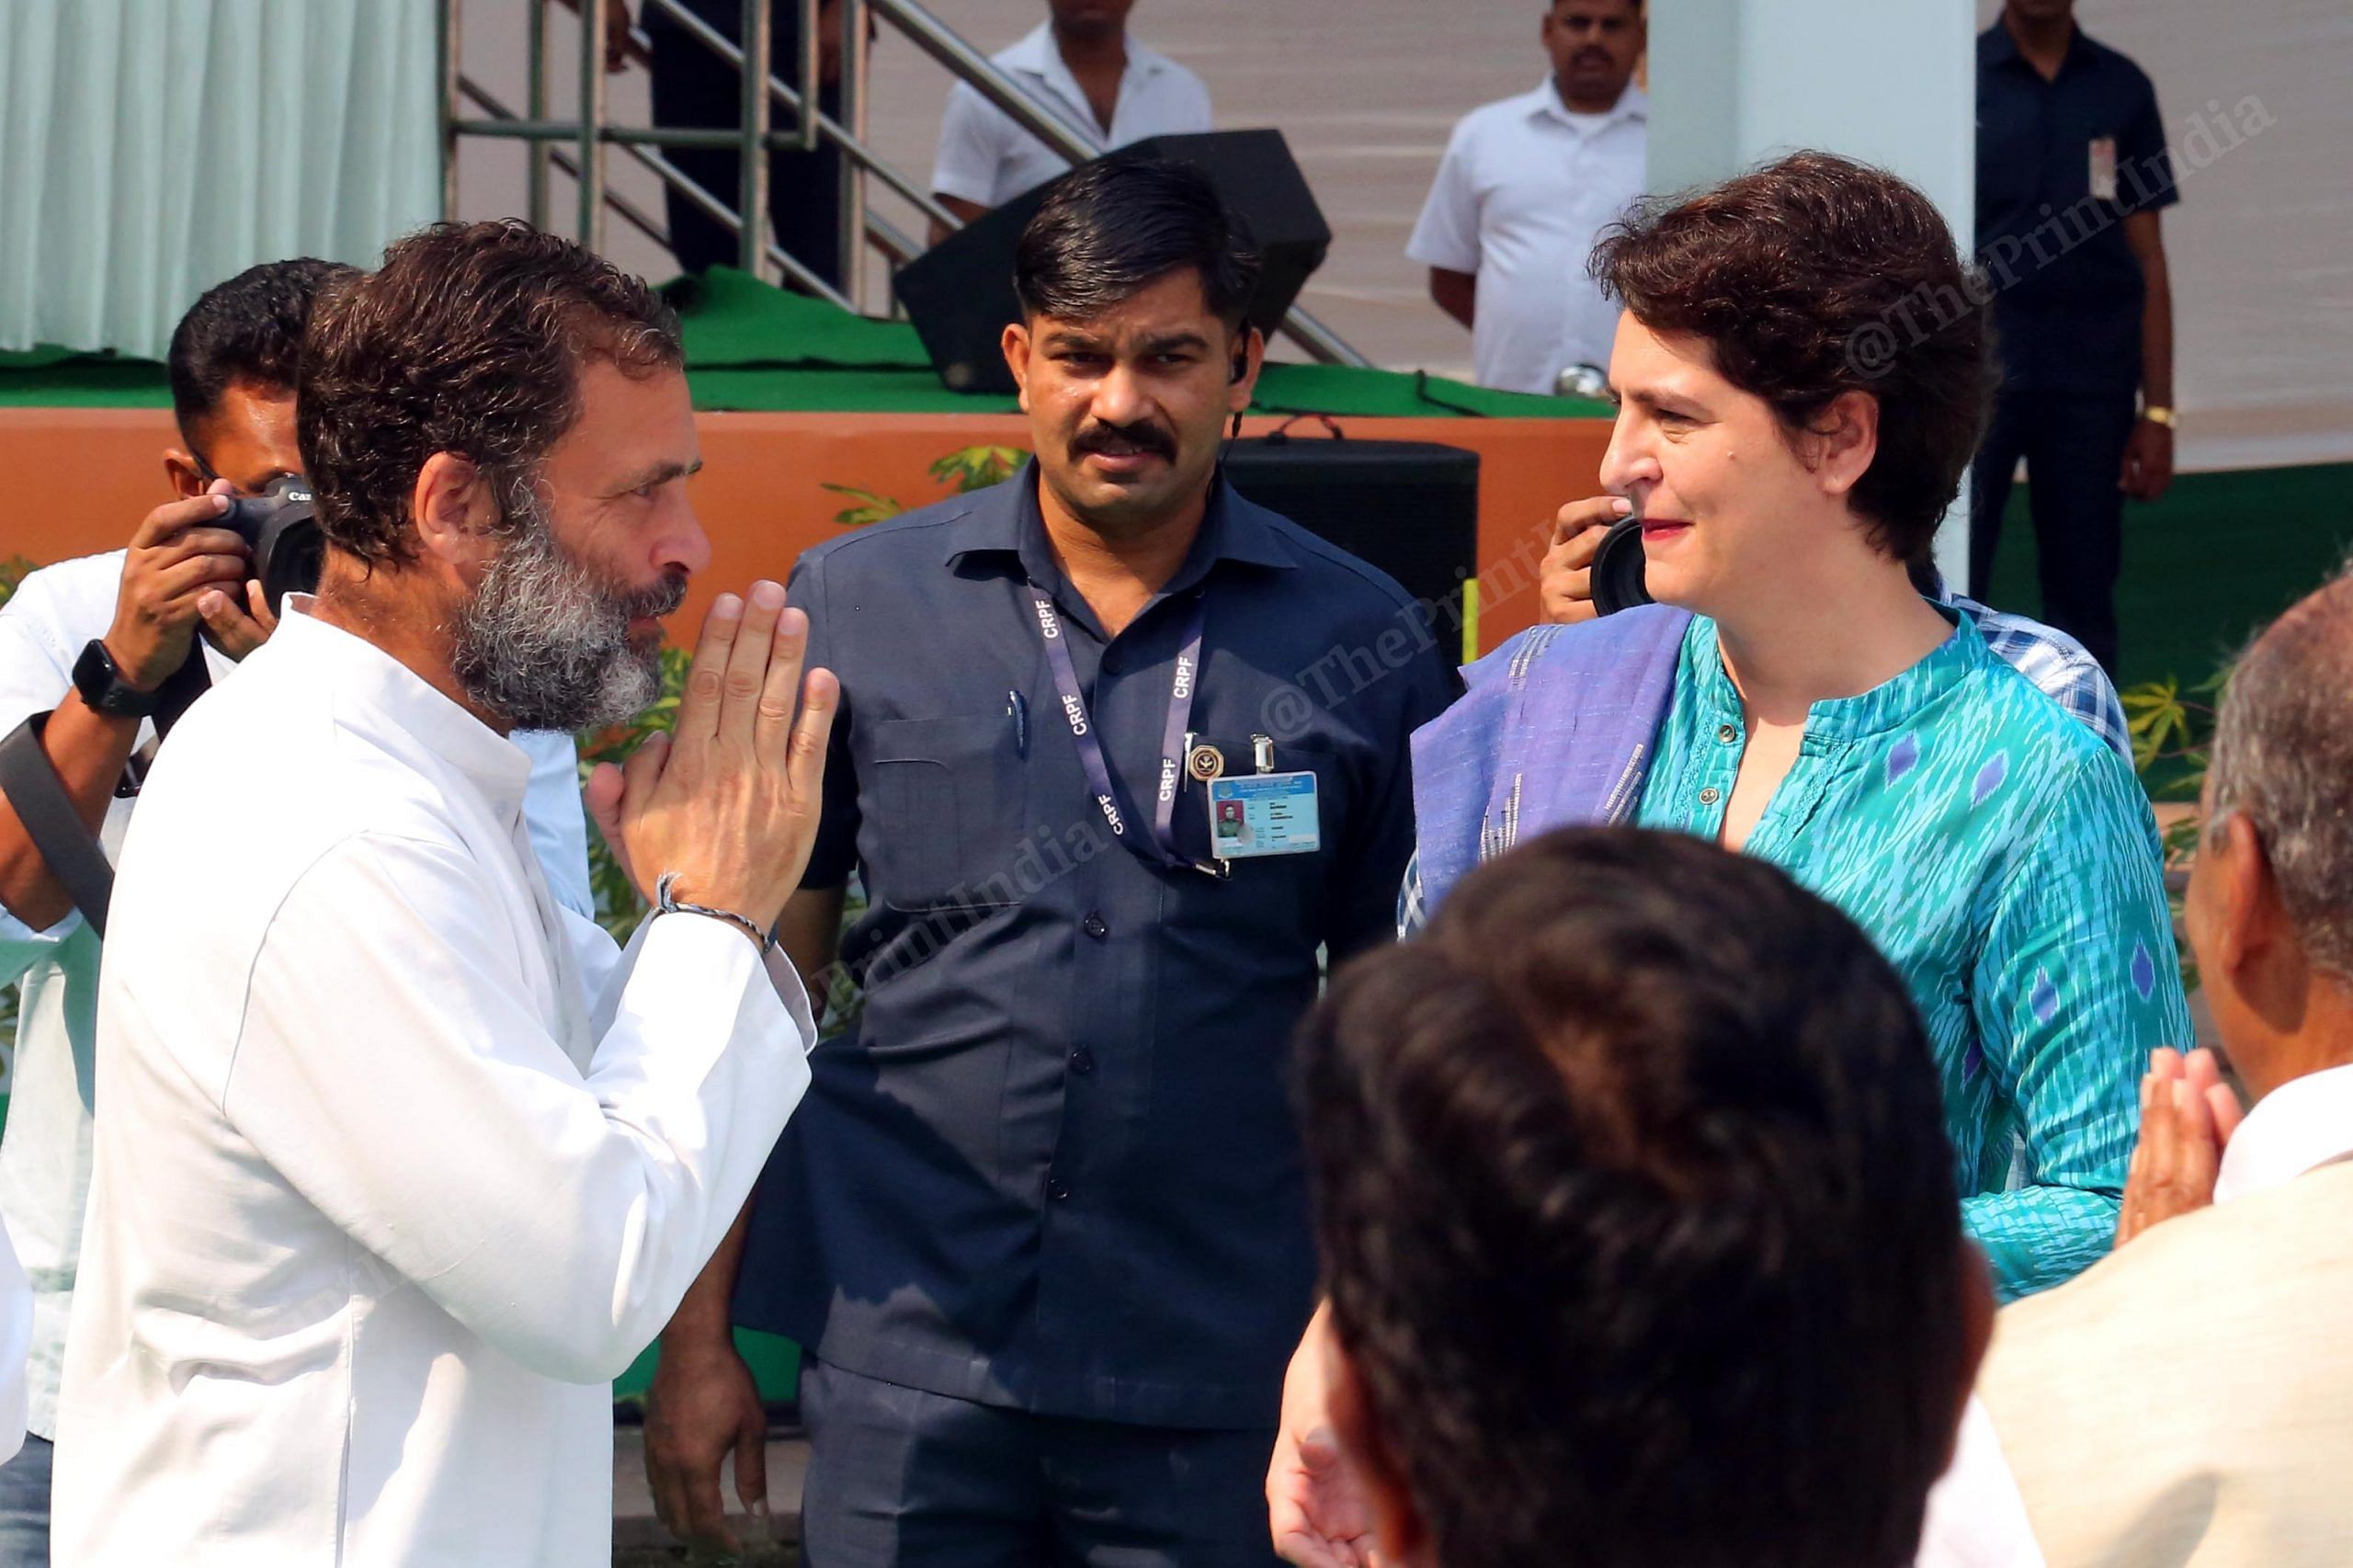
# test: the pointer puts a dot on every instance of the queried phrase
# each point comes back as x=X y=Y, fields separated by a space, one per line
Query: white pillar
x=1734 y=83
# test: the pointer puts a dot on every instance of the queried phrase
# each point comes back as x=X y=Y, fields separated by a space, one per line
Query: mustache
x=654 y=603
x=1135 y=438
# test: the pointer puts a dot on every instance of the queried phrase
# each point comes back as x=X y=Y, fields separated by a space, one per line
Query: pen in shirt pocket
x=1016 y=708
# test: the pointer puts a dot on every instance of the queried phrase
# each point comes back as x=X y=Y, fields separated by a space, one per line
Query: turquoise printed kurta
x=2008 y=864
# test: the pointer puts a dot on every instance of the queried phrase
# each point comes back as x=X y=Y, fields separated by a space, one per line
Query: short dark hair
x=1816 y=276
x=1111 y=229
x=1638 y=1216
x=469 y=339
x=247 y=329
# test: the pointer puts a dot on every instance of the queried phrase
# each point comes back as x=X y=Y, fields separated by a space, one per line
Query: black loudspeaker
x=960 y=293
x=1409 y=507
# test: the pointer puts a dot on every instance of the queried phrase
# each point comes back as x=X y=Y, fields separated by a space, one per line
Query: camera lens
x=1619 y=568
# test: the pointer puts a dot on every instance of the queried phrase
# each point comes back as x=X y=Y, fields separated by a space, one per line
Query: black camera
x=281 y=526
x=1619 y=568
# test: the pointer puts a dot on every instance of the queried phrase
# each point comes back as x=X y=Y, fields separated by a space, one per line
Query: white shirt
x=1977 y=1516
x=1522 y=194
x=45 y=1153
x=984 y=157
x=2304 y=1124
x=16 y=1338
x=403 y=1163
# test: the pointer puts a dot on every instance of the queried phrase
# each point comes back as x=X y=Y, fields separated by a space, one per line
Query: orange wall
x=86 y=476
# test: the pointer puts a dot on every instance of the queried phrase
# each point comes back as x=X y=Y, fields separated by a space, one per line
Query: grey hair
x=2283 y=759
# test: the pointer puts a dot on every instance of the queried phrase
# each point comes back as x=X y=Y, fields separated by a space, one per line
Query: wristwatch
x=100 y=682
x=2158 y=414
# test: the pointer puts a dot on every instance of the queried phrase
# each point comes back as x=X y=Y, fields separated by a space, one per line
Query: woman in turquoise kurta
x=2004 y=860
x=1825 y=716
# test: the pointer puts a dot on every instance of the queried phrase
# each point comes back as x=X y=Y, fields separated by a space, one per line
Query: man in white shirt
x=232 y=365
x=1082 y=67
x=403 y=1161
x=2189 y=1400
x=1525 y=188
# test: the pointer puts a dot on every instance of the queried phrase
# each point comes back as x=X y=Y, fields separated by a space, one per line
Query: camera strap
x=173 y=698
x=39 y=797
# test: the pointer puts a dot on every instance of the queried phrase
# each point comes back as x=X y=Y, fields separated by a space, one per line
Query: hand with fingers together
x=726 y=802
x=1565 y=578
x=2188 y=1115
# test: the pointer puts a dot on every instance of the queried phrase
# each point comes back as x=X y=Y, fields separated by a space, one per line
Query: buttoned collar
x=1005 y=520
x=1544 y=103
x=2301 y=1126
x=1995 y=47
x=1887 y=706
x=1039 y=55
x=377 y=689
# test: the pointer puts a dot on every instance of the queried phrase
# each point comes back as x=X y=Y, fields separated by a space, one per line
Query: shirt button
x=1096 y=926
x=1057 y=1189
x=1728 y=735
x=1710 y=795
x=1081 y=1062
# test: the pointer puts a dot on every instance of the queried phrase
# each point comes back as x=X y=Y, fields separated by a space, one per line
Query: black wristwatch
x=100 y=682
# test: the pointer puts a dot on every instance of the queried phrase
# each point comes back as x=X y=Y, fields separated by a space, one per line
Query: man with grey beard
x=404 y=1162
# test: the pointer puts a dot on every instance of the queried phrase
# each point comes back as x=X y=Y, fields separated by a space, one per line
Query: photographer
x=115 y=626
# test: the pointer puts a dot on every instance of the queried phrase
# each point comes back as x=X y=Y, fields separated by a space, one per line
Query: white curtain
x=151 y=148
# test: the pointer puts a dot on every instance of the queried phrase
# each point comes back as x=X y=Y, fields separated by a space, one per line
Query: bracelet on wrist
x=668 y=903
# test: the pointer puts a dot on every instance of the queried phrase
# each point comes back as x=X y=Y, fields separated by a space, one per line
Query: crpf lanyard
x=1160 y=850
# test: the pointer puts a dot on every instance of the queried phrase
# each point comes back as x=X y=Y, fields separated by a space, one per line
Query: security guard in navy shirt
x=2072 y=173
x=1118 y=753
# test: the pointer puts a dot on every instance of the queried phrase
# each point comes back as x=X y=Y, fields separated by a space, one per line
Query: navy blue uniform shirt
x=1055 y=1166
x=2068 y=290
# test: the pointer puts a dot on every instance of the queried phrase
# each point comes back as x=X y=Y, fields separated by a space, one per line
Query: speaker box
x=1409 y=507
x=959 y=294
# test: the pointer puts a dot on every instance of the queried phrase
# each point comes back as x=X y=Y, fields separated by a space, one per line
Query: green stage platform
x=754 y=348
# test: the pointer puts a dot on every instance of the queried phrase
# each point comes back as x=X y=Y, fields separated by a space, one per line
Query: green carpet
x=2219 y=556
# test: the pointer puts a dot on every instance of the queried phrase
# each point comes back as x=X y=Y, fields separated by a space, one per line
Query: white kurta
x=401 y=1164
x=45 y=1158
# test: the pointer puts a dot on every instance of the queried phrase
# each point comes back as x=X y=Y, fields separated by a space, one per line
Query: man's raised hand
x=728 y=802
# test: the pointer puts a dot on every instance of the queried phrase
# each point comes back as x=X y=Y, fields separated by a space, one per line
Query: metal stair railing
x=578 y=147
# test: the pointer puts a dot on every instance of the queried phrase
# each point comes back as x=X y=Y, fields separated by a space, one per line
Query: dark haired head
x=1815 y=276
x=468 y=340
x=1638 y=1218
x=1110 y=229
x=247 y=329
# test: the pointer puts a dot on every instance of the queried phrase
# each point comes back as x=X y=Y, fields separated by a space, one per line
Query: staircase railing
x=578 y=147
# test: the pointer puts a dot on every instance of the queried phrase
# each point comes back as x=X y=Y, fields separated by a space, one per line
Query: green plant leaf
x=872 y=506
x=619 y=909
x=977 y=468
